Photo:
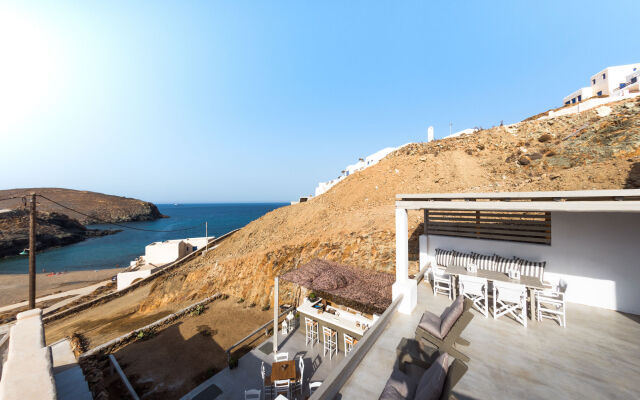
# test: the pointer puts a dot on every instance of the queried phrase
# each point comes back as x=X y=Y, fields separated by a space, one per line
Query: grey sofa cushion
x=431 y=323
x=399 y=386
x=451 y=315
x=432 y=382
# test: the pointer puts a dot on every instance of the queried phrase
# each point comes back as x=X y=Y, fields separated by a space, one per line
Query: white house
x=578 y=96
x=606 y=81
x=362 y=163
x=630 y=85
x=158 y=254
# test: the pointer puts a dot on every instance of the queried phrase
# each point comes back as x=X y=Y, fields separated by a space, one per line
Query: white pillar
x=275 y=315
x=424 y=256
x=430 y=134
x=403 y=286
x=402 y=245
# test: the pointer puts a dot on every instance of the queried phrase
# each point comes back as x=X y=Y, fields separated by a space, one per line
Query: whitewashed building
x=158 y=254
x=608 y=82
x=362 y=164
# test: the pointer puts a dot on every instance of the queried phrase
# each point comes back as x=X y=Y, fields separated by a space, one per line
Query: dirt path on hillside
x=183 y=355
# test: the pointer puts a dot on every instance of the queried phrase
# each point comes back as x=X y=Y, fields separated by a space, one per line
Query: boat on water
x=24 y=252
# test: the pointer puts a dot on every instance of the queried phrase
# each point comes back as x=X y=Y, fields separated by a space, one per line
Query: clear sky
x=202 y=101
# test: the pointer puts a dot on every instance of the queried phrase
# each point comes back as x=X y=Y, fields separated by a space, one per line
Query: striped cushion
x=443 y=257
x=485 y=262
x=532 y=268
x=462 y=259
x=505 y=264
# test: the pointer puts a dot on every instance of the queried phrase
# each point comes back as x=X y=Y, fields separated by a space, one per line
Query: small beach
x=14 y=288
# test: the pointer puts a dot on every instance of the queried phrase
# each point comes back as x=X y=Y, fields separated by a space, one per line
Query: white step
x=70 y=382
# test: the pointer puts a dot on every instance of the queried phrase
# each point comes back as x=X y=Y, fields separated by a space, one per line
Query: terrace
x=586 y=239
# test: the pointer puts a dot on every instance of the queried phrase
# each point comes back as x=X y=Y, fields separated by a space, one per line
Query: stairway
x=70 y=382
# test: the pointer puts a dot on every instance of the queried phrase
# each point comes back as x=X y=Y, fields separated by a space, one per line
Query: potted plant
x=312 y=296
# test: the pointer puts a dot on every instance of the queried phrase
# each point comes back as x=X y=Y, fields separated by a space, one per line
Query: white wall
x=596 y=253
x=584 y=94
x=587 y=105
x=160 y=253
x=28 y=372
x=125 y=279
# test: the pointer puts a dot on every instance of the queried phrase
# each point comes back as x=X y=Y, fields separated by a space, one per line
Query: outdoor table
x=284 y=370
x=531 y=282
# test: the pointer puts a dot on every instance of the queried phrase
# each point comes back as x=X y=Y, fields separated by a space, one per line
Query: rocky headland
x=59 y=226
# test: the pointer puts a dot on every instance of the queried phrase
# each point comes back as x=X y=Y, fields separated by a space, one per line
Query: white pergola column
x=403 y=285
x=276 y=307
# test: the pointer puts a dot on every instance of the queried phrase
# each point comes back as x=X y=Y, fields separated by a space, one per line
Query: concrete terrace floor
x=233 y=383
x=596 y=356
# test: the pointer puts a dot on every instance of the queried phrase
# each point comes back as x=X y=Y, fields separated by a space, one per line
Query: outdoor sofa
x=444 y=331
x=422 y=372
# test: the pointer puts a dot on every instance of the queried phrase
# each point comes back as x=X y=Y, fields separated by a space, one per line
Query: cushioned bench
x=422 y=372
x=444 y=331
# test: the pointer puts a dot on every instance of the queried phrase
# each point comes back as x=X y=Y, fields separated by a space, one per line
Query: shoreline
x=14 y=287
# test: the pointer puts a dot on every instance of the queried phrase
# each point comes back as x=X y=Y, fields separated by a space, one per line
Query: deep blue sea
x=119 y=249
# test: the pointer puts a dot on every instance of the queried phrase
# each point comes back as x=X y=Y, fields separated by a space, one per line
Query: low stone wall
x=114 y=295
x=28 y=372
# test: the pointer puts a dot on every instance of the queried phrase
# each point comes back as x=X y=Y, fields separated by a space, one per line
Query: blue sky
x=259 y=100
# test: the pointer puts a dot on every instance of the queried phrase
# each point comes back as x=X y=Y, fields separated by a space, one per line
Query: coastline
x=14 y=287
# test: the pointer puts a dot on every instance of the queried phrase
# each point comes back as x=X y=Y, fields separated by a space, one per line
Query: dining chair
x=282 y=386
x=510 y=298
x=477 y=290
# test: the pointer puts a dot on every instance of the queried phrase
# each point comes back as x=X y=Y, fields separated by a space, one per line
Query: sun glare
x=29 y=67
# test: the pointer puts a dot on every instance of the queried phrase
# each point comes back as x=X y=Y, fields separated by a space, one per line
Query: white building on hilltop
x=607 y=82
x=362 y=163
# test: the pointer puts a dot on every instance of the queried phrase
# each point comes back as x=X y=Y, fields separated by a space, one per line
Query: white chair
x=282 y=386
x=441 y=282
x=550 y=304
x=311 y=328
x=268 y=389
x=281 y=357
x=348 y=344
x=285 y=327
x=330 y=341
x=252 y=394
x=313 y=386
x=301 y=368
x=510 y=298
x=476 y=289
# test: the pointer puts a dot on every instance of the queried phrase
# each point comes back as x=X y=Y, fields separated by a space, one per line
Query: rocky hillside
x=103 y=206
x=53 y=229
x=58 y=226
x=353 y=223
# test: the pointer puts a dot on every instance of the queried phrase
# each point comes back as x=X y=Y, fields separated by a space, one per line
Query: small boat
x=24 y=252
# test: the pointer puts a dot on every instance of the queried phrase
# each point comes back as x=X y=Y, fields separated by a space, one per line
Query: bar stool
x=348 y=344
x=330 y=341
x=311 y=328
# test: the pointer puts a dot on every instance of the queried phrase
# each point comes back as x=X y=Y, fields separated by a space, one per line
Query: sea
x=116 y=251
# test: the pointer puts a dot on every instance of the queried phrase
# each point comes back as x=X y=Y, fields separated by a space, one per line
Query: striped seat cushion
x=444 y=257
x=505 y=264
x=532 y=268
x=485 y=262
x=462 y=259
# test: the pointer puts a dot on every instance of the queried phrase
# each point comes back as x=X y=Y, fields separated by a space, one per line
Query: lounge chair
x=444 y=331
x=422 y=372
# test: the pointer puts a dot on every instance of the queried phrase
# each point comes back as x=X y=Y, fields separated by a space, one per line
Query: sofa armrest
x=411 y=351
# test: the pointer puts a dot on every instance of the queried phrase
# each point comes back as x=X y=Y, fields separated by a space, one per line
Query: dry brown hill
x=104 y=206
x=353 y=223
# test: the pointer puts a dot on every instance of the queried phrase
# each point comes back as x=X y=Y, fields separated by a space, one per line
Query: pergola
x=511 y=216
